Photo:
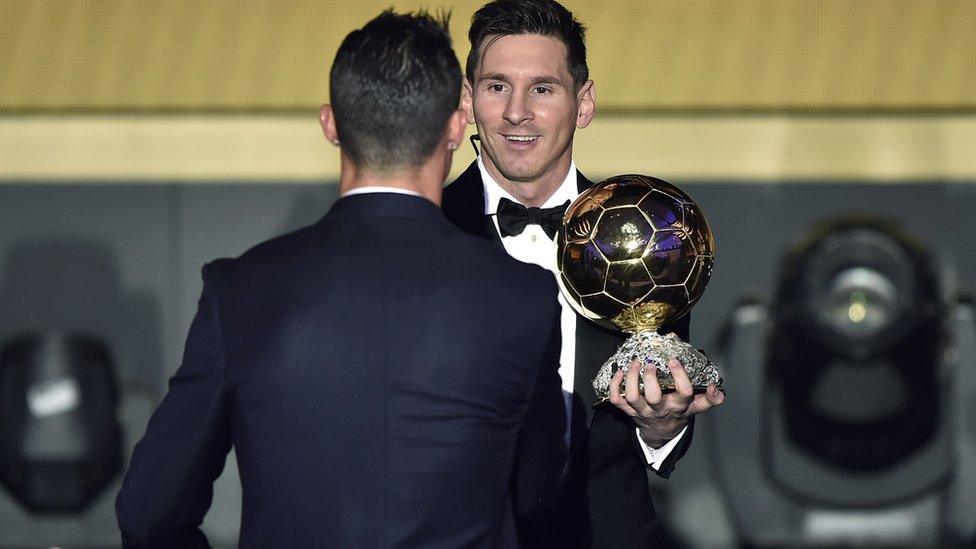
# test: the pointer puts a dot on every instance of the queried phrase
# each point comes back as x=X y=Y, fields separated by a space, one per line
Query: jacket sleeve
x=169 y=484
x=667 y=466
x=542 y=450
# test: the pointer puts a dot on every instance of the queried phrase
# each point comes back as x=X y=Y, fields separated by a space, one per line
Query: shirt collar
x=494 y=192
x=379 y=189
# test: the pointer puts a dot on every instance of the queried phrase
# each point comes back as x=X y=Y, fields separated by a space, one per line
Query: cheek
x=487 y=109
x=559 y=119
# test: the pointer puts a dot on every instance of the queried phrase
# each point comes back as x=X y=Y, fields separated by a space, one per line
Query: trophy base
x=651 y=348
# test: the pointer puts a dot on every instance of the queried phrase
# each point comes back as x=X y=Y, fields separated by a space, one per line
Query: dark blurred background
x=832 y=145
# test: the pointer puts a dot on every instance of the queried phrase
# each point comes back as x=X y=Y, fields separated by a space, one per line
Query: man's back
x=373 y=385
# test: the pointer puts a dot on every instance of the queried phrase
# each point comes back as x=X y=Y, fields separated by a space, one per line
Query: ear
x=467 y=100
x=455 y=128
x=586 y=104
x=327 y=120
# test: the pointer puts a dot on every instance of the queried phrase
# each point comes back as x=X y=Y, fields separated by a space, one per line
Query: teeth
x=521 y=138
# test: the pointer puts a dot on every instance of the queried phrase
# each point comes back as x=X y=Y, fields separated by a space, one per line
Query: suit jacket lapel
x=582 y=183
x=594 y=345
x=464 y=205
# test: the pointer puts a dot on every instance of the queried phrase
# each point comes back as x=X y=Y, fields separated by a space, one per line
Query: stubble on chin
x=523 y=176
x=516 y=170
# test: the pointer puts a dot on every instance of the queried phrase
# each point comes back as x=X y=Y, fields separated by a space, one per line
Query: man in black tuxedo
x=528 y=89
x=368 y=369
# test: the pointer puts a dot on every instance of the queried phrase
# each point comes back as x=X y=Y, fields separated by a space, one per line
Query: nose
x=517 y=110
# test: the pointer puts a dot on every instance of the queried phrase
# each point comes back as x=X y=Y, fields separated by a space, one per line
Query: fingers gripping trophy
x=635 y=252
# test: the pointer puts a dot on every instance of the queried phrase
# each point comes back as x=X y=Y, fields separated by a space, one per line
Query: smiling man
x=527 y=88
x=525 y=97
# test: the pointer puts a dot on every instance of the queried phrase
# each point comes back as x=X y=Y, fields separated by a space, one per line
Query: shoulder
x=262 y=259
x=582 y=183
x=518 y=284
x=467 y=184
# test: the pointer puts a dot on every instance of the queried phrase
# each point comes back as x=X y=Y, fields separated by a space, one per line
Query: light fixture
x=60 y=441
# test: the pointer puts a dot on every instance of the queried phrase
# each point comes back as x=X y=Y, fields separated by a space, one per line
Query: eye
x=496 y=87
x=541 y=90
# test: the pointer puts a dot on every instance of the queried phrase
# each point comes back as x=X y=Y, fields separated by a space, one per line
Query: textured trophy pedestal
x=650 y=348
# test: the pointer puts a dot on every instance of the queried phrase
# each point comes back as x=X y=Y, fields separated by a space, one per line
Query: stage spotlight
x=60 y=441
x=855 y=344
x=858 y=286
x=844 y=428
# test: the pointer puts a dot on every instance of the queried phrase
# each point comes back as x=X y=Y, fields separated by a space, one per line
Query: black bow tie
x=513 y=217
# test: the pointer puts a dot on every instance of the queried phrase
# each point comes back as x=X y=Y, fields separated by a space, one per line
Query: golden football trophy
x=635 y=253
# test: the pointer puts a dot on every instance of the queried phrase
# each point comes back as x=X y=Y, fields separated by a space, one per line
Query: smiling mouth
x=522 y=138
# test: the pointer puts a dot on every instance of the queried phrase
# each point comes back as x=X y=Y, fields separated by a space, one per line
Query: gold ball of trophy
x=635 y=253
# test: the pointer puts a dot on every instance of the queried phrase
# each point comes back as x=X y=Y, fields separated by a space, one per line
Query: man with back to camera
x=365 y=368
x=527 y=88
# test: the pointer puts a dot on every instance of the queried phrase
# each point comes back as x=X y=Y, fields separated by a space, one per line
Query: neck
x=426 y=180
x=532 y=192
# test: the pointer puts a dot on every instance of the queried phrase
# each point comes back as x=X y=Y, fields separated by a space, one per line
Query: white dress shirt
x=534 y=246
x=379 y=189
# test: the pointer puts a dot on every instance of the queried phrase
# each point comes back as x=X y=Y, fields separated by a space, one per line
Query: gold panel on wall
x=662 y=55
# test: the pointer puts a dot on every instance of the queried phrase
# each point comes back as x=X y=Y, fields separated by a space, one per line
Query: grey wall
x=123 y=261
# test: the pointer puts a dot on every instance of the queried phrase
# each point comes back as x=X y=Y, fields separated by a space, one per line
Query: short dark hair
x=393 y=85
x=545 y=17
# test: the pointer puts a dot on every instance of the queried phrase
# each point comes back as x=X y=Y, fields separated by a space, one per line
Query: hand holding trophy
x=636 y=252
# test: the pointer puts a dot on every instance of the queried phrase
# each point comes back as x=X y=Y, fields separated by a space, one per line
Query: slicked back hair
x=543 y=17
x=393 y=85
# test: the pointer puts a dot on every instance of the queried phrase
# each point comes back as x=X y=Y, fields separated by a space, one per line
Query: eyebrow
x=493 y=76
x=541 y=79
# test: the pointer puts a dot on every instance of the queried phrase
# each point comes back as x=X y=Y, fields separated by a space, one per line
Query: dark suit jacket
x=376 y=387
x=605 y=503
